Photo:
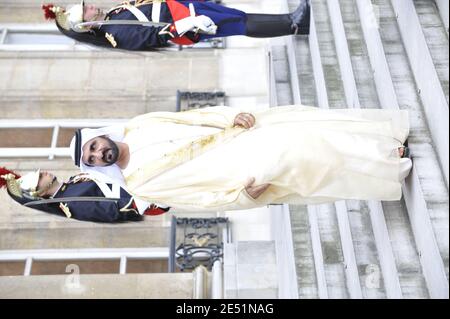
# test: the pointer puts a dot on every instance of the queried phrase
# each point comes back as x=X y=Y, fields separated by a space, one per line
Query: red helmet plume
x=4 y=171
x=48 y=13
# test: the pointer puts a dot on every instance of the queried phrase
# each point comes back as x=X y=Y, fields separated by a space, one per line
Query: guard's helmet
x=69 y=18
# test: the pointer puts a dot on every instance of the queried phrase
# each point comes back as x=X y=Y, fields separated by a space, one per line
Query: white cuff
x=184 y=25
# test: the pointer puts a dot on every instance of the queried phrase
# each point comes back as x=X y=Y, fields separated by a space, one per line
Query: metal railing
x=53 y=255
x=194 y=100
x=197 y=241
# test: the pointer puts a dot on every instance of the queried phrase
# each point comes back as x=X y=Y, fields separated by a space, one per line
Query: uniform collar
x=59 y=189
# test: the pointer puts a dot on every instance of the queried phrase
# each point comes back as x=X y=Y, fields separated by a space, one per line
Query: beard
x=111 y=154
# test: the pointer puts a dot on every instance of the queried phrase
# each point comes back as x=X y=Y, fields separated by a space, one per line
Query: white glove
x=205 y=24
x=195 y=23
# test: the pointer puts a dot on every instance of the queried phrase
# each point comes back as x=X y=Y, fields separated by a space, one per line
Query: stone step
x=329 y=59
x=280 y=62
x=303 y=252
x=443 y=7
x=427 y=167
x=434 y=104
x=305 y=72
x=436 y=37
x=333 y=255
x=367 y=92
x=408 y=265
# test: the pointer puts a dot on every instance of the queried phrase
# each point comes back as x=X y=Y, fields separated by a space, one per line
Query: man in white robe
x=222 y=159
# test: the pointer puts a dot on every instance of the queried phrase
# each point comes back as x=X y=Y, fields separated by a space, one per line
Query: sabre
x=70 y=200
x=121 y=22
x=128 y=22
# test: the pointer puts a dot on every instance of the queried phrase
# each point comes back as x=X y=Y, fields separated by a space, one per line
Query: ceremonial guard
x=82 y=197
x=144 y=25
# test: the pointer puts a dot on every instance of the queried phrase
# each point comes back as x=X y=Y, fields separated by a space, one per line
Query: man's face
x=90 y=12
x=46 y=180
x=100 y=151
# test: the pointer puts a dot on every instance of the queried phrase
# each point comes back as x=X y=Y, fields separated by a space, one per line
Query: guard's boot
x=276 y=25
x=301 y=18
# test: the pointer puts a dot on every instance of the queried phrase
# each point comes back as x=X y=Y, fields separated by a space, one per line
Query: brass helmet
x=68 y=19
x=24 y=187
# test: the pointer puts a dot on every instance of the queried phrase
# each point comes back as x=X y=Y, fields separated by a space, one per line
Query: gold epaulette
x=111 y=39
x=82 y=177
x=65 y=209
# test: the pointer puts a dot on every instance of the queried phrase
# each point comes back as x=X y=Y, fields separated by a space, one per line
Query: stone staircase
x=374 y=54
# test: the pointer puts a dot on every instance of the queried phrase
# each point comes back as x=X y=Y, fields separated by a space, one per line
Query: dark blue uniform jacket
x=140 y=38
x=97 y=211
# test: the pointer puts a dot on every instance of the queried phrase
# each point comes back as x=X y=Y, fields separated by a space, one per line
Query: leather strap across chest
x=141 y=17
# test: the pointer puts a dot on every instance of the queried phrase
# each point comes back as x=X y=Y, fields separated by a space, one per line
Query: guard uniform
x=81 y=198
x=135 y=37
x=144 y=25
x=123 y=209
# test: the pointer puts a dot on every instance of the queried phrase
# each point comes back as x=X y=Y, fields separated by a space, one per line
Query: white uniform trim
x=108 y=192
x=156 y=11
x=137 y=13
